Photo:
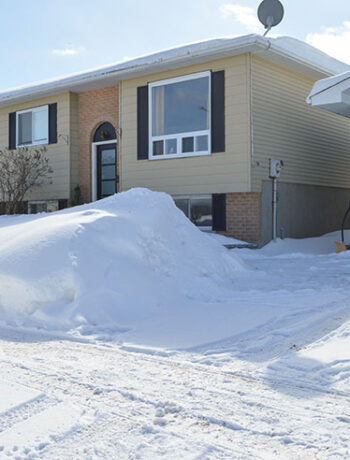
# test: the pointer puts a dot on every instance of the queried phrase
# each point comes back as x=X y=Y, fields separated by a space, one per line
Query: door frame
x=94 y=146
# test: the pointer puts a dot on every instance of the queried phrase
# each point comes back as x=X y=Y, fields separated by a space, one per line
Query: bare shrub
x=21 y=170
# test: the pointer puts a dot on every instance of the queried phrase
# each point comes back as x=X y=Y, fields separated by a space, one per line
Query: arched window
x=105 y=132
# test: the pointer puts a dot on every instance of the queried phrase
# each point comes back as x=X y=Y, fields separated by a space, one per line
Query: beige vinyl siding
x=74 y=141
x=58 y=154
x=228 y=171
x=314 y=144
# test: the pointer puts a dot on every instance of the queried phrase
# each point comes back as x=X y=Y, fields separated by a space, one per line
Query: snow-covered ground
x=127 y=335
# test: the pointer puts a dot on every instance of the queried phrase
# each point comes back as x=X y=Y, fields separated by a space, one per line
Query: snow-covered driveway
x=277 y=392
x=103 y=402
x=126 y=333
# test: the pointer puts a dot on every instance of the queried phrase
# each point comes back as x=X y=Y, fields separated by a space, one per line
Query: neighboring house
x=199 y=122
x=333 y=95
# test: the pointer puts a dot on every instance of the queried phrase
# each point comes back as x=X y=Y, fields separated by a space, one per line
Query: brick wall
x=95 y=107
x=243 y=216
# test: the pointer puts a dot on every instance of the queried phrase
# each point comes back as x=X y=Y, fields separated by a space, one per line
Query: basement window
x=180 y=117
x=32 y=126
x=34 y=207
x=198 y=209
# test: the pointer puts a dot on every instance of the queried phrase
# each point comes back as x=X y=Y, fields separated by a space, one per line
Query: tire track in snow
x=84 y=386
x=18 y=414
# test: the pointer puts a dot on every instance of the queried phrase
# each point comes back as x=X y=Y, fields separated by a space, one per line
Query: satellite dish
x=270 y=14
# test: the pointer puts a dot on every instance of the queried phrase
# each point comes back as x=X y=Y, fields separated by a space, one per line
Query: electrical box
x=275 y=167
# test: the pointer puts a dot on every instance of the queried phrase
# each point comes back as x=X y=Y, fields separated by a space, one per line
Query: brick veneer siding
x=95 y=107
x=243 y=216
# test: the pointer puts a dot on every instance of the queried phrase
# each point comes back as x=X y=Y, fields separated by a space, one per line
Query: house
x=332 y=94
x=200 y=122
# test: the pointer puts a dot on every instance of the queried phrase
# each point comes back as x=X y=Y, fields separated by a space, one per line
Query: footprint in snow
x=159 y=418
x=167 y=408
x=343 y=419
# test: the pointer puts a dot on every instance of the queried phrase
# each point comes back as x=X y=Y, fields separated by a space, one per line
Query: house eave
x=332 y=95
x=166 y=60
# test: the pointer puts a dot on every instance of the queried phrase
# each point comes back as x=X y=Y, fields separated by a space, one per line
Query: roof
x=332 y=94
x=327 y=83
x=285 y=50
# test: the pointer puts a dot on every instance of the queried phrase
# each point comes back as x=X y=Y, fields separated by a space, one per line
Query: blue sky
x=42 y=39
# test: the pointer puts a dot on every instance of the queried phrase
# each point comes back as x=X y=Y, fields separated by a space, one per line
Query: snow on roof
x=310 y=55
x=286 y=50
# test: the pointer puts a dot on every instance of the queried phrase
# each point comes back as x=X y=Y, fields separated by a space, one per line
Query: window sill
x=21 y=146
x=179 y=155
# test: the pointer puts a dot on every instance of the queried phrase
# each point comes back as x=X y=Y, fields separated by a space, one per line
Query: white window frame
x=36 y=202
x=196 y=197
x=178 y=136
x=33 y=110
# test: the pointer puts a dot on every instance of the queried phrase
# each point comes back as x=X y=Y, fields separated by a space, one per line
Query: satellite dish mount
x=270 y=14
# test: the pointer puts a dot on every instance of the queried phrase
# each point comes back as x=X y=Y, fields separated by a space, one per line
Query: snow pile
x=111 y=265
x=303 y=247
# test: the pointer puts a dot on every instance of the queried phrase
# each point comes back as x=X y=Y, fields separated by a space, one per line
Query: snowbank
x=304 y=247
x=114 y=265
x=133 y=269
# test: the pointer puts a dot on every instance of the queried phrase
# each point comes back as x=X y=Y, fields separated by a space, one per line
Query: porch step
x=242 y=246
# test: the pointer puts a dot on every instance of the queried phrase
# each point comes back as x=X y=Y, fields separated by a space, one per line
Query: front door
x=106 y=170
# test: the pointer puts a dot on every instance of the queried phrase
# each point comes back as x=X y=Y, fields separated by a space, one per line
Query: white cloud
x=333 y=40
x=243 y=14
x=69 y=51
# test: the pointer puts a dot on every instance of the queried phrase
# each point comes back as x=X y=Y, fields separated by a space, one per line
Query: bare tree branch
x=20 y=171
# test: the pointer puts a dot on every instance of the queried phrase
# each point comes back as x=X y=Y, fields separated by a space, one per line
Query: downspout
x=119 y=137
x=274 y=210
x=251 y=111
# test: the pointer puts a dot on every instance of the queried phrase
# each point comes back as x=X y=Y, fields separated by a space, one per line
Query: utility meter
x=275 y=167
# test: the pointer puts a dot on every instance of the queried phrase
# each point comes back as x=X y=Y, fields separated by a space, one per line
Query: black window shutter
x=12 y=131
x=218 y=111
x=53 y=123
x=142 y=123
x=219 y=211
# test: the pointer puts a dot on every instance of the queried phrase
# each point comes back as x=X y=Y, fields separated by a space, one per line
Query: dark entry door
x=107 y=178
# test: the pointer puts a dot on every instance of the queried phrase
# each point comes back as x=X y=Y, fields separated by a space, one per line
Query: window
x=34 y=207
x=105 y=132
x=180 y=117
x=198 y=209
x=32 y=126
